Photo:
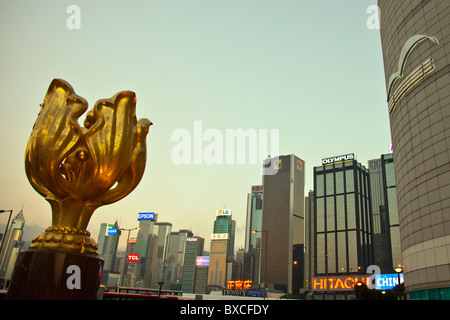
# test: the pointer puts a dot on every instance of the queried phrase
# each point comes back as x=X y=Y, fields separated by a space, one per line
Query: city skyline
x=231 y=65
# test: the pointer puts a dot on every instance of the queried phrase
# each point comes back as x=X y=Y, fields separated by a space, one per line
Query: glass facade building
x=342 y=219
x=193 y=249
x=254 y=218
x=251 y=263
x=386 y=233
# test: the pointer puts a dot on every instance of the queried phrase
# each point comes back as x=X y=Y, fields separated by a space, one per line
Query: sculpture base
x=55 y=275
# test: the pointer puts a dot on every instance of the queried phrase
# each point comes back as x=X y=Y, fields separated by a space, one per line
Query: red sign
x=133 y=257
x=239 y=285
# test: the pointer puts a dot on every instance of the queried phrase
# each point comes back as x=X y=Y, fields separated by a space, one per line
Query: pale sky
x=312 y=70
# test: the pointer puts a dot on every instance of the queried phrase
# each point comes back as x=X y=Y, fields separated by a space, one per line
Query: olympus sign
x=345 y=157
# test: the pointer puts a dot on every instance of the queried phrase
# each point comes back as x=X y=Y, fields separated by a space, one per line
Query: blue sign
x=387 y=281
x=202 y=261
x=112 y=231
x=146 y=216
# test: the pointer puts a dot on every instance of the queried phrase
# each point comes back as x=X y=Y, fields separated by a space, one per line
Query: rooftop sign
x=336 y=159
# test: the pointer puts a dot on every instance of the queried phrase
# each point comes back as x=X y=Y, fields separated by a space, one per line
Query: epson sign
x=146 y=216
x=345 y=157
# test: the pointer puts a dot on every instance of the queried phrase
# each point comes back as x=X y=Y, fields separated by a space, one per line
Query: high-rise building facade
x=12 y=243
x=283 y=222
x=251 y=259
x=221 y=249
x=111 y=242
x=162 y=230
x=224 y=224
x=386 y=233
x=254 y=218
x=342 y=217
x=309 y=240
x=194 y=248
x=173 y=264
x=217 y=272
x=416 y=50
x=145 y=230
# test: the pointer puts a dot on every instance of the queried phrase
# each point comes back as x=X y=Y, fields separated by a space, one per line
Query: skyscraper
x=309 y=239
x=254 y=218
x=12 y=243
x=283 y=222
x=416 y=50
x=342 y=217
x=194 y=249
x=162 y=231
x=217 y=271
x=101 y=238
x=224 y=224
x=110 y=247
x=222 y=248
x=145 y=230
x=251 y=259
x=173 y=264
x=386 y=233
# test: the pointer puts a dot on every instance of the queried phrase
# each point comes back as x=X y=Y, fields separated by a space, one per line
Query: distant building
x=194 y=248
x=111 y=242
x=12 y=243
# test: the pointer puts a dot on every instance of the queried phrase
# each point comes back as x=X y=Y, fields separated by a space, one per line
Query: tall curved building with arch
x=415 y=36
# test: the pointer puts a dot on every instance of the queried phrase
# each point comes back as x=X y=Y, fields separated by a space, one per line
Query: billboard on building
x=146 y=216
x=202 y=261
x=224 y=212
x=219 y=236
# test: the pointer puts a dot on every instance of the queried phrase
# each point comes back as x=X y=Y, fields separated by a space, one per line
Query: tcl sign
x=133 y=257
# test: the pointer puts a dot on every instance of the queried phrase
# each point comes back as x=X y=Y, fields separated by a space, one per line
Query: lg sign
x=133 y=257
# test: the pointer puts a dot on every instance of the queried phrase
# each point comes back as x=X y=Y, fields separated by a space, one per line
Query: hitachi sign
x=345 y=157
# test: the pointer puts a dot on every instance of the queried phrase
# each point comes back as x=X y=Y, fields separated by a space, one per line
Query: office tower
x=194 y=248
x=162 y=230
x=218 y=258
x=131 y=270
x=222 y=248
x=12 y=243
x=146 y=223
x=150 y=261
x=224 y=224
x=101 y=238
x=386 y=233
x=416 y=50
x=309 y=239
x=201 y=274
x=254 y=218
x=283 y=222
x=342 y=217
x=110 y=247
x=251 y=258
x=173 y=264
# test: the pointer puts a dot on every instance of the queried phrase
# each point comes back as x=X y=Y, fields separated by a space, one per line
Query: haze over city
x=313 y=71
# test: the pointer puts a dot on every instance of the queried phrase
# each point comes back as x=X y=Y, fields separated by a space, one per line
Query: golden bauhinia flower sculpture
x=80 y=169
